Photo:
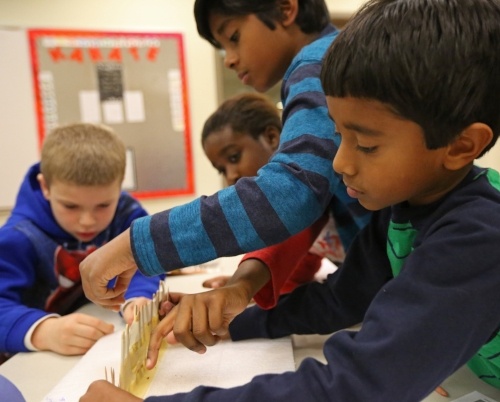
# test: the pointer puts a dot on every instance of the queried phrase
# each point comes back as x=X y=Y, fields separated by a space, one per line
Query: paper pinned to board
x=224 y=365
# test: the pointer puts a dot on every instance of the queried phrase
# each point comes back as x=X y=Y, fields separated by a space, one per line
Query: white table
x=35 y=374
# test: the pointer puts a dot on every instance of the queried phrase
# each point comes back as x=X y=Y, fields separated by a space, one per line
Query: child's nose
x=87 y=219
x=230 y=59
x=232 y=175
x=343 y=162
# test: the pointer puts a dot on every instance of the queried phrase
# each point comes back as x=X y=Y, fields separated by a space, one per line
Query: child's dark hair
x=312 y=15
x=248 y=113
x=435 y=62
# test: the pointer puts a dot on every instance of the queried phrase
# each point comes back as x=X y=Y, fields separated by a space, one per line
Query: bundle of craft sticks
x=134 y=376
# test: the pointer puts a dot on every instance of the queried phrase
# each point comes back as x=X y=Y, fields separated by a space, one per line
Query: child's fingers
x=166 y=307
x=190 y=321
x=441 y=391
x=163 y=328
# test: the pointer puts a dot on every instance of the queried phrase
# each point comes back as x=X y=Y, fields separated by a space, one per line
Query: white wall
x=343 y=8
x=134 y=15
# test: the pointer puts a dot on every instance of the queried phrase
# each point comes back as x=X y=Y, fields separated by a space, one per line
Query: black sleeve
x=339 y=302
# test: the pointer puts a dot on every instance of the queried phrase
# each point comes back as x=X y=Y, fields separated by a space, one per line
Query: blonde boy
x=68 y=205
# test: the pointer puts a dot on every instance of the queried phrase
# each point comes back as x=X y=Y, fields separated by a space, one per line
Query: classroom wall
x=147 y=15
x=343 y=8
x=131 y=15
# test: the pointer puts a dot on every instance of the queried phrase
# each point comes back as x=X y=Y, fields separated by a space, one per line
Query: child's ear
x=44 y=186
x=289 y=11
x=468 y=145
x=272 y=136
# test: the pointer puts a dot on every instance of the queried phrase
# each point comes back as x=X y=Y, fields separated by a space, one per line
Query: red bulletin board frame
x=61 y=52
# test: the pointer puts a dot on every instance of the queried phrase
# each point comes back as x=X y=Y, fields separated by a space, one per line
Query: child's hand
x=441 y=391
x=167 y=306
x=104 y=391
x=198 y=320
x=113 y=261
x=72 y=334
x=128 y=310
x=217 y=282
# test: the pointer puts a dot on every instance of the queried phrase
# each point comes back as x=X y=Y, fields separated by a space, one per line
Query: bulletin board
x=134 y=83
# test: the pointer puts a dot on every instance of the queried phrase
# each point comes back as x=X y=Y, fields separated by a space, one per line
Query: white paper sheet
x=113 y=111
x=225 y=365
x=90 y=107
x=129 y=180
x=134 y=106
x=474 y=397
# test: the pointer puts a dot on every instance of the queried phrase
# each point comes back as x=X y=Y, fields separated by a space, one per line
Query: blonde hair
x=83 y=154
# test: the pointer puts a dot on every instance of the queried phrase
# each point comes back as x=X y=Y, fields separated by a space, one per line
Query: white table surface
x=35 y=374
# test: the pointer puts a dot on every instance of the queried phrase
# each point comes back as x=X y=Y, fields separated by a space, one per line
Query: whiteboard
x=18 y=130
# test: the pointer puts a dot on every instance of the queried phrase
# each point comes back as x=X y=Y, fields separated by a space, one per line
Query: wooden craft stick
x=134 y=376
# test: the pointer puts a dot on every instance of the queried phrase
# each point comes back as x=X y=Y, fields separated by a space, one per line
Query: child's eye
x=67 y=206
x=103 y=206
x=234 y=37
x=337 y=134
x=235 y=158
x=366 y=150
